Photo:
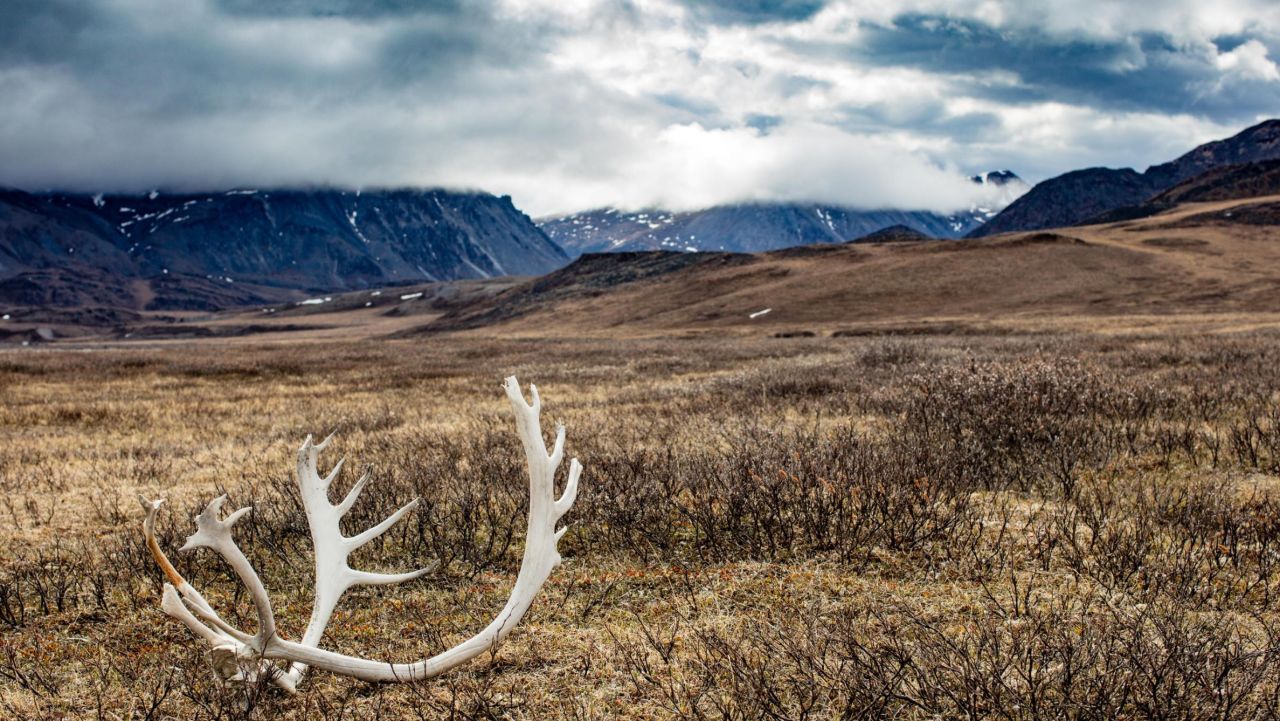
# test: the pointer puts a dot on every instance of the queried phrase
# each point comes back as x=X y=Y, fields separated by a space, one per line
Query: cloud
x=567 y=104
x=1143 y=71
x=689 y=166
x=1249 y=60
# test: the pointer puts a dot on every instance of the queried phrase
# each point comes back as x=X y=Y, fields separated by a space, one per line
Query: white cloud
x=1249 y=60
x=691 y=166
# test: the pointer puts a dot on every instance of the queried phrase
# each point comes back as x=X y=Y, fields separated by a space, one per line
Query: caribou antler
x=236 y=655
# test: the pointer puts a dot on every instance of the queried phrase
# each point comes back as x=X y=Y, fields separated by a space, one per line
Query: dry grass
x=1051 y=526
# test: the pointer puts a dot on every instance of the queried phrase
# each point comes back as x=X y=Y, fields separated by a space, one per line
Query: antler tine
x=187 y=591
x=149 y=532
x=172 y=604
x=570 y=489
x=334 y=575
x=352 y=495
x=366 y=578
x=361 y=539
x=333 y=473
x=215 y=534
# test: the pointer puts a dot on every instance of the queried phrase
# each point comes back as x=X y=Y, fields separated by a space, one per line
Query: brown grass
x=977 y=526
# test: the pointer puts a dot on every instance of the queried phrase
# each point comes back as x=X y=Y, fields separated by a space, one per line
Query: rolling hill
x=1218 y=259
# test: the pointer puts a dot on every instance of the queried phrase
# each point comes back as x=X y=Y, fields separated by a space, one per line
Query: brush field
x=1018 y=526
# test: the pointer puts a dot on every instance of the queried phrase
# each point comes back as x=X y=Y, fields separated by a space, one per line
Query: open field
x=1022 y=525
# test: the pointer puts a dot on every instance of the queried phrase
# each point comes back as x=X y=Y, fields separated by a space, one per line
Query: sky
x=573 y=104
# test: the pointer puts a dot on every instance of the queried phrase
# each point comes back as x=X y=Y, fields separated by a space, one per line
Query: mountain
x=755 y=227
x=1069 y=199
x=1081 y=195
x=1255 y=143
x=163 y=251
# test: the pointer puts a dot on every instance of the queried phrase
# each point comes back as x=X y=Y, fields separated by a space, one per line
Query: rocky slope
x=158 y=251
x=1229 y=182
x=1082 y=195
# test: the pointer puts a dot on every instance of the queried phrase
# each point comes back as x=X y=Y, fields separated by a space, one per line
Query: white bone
x=334 y=576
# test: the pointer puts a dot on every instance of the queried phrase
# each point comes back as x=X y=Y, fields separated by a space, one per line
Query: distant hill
x=1081 y=195
x=1185 y=263
x=213 y=250
x=755 y=227
x=893 y=234
x=591 y=275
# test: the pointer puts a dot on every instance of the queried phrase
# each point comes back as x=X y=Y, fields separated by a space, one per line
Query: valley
x=1198 y=266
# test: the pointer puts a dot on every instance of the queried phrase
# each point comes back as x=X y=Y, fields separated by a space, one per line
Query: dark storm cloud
x=343 y=8
x=39 y=31
x=192 y=94
x=1137 y=72
x=754 y=11
x=169 y=68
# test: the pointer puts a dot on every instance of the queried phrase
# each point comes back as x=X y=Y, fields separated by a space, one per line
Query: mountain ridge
x=299 y=240
x=1080 y=195
x=757 y=226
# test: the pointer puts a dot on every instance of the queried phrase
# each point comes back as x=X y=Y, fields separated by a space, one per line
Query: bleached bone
x=239 y=656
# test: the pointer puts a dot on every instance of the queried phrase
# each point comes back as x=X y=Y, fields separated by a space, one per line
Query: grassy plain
x=1063 y=524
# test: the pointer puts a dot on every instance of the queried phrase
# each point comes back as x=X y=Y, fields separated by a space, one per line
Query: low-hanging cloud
x=690 y=166
x=569 y=105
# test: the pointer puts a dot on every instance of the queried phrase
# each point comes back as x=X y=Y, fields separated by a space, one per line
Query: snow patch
x=759 y=313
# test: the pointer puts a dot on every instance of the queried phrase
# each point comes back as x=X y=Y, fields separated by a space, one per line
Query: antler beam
x=236 y=655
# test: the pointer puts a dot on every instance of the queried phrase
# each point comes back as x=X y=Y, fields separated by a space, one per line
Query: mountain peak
x=997 y=177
